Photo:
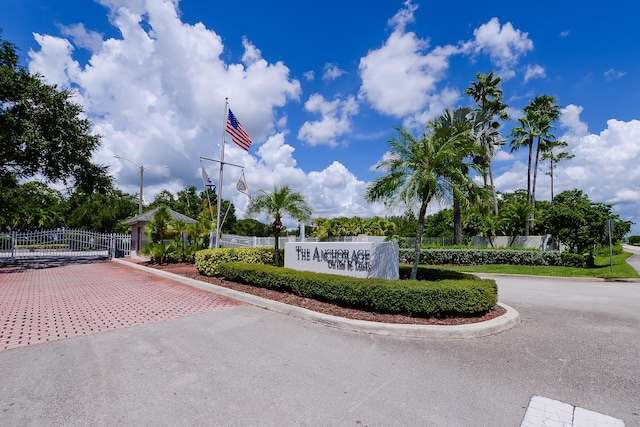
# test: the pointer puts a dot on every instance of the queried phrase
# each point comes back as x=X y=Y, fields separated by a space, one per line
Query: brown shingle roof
x=148 y=216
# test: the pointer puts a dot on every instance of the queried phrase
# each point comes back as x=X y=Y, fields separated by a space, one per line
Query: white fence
x=62 y=243
x=235 y=241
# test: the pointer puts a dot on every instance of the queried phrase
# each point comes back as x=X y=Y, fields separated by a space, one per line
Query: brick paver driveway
x=49 y=301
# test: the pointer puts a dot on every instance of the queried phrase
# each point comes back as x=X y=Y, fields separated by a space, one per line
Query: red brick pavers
x=43 y=303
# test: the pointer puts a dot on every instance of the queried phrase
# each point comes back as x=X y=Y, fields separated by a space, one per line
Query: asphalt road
x=579 y=342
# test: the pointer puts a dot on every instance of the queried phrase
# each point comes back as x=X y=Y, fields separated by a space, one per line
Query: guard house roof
x=148 y=216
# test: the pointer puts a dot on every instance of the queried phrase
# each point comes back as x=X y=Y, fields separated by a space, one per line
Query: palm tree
x=277 y=203
x=554 y=158
x=418 y=171
x=487 y=95
x=534 y=130
x=462 y=125
x=544 y=111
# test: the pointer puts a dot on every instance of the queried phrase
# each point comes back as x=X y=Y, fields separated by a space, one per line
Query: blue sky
x=320 y=87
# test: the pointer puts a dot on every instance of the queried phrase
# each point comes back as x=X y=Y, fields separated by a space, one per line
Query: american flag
x=238 y=134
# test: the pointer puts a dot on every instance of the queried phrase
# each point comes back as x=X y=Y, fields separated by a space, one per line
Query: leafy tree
x=419 y=171
x=378 y=226
x=343 y=226
x=164 y=198
x=581 y=224
x=188 y=202
x=439 y=224
x=102 y=212
x=277 y=203
x=42 y=131
x=251 y=227
x=487 y=95
x=31 y=206
x=406 y=225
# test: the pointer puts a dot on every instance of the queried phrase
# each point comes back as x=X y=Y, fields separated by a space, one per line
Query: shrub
x=634 y=240
x=494 y=256
x=207 y=260
x=419 y=298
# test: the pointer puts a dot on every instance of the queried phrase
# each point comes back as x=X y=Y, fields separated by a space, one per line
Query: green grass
x=621 y=270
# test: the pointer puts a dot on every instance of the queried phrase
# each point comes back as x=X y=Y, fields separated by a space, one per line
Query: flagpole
x=219 y=192
x=206 y=190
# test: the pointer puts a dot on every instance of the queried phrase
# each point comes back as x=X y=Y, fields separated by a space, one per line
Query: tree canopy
x=42 y=131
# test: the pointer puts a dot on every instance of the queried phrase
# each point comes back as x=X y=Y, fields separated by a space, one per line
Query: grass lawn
x=621 y=270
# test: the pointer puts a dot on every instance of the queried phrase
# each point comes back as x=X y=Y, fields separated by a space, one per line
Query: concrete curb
x=473 y=330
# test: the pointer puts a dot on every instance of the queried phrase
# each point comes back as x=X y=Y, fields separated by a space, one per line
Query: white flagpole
x=219 y=192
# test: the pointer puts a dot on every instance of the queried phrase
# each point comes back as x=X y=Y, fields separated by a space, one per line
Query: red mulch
x=189 y=270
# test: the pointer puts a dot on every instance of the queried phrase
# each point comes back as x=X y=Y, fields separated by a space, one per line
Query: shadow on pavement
x=26 y=264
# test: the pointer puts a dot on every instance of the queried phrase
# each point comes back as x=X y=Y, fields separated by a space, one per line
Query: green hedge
x=495 y=256
x=207 y=260
x=416 y=298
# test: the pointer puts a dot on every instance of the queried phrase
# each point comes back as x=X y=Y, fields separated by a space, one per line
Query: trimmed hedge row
x=416 y=298
x=498 y=256
x=207 y=260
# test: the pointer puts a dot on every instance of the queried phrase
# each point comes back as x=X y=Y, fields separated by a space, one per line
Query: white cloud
x=613 y=74
x=157 y=94
x=504 y=45
x=570 y=120
x=82 y=37
x=534 y=72
x=309 y=75
x=401 y=77
x=56 y=63
x=404 y=16
x=335 y=121
x=605 y=166
x=332 y=72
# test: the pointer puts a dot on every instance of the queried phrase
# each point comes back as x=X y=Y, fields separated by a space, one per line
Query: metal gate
x=62 y=243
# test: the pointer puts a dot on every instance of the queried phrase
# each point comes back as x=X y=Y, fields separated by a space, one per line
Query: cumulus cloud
x=401 y=77
x=332 y=72
x=157 y=94
x=604 y=166
x=534 y=72
x=335 y=121
x=504 y=44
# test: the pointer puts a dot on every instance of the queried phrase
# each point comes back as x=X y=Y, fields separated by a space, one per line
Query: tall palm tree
x=555 y=157
x=418 y=171
x=277 y=203
x=487 y=95
x=534 y=132
x=544 y=110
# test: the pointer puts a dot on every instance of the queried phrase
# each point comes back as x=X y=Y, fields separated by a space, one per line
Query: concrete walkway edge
x=473 y=330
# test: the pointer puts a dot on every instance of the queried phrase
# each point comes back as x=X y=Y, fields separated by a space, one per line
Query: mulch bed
x=189 y=270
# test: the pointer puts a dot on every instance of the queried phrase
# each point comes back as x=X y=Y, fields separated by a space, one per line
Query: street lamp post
x=141 y=167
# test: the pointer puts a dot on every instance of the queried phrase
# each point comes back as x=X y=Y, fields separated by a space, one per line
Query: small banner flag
x=207 y=181
x=238 y=134
x=242 y=186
